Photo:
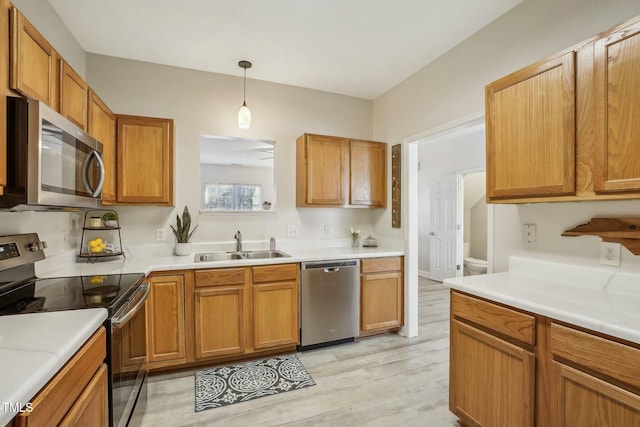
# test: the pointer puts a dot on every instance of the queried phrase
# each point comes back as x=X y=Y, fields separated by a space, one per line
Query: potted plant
x=183 y=233
x=110 y=219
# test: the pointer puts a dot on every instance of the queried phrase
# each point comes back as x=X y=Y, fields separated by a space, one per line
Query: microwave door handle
x=94 y=192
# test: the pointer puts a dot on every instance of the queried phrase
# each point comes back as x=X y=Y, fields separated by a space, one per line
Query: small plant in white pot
x=183 y=233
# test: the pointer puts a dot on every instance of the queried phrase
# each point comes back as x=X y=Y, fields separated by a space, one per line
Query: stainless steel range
x=123 y=296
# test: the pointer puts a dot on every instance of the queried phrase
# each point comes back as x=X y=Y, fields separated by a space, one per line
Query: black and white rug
x=230 y=384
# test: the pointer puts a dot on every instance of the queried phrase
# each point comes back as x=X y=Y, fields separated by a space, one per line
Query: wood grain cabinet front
x=102 y=126
x=165 y=308
x=563 y=128
x=340 y=172
x=381 y=294
x=74 y=96
x=144 y=160
x=77 y=394
x=483 y=358
x=34 y=62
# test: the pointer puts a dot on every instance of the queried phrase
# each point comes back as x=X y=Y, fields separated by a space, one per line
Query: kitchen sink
x=228 y=256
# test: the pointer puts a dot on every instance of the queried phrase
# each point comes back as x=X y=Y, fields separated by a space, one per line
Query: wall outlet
x=326 y=232
x=610 y=254
x=292 y=231
x=530 y=234
x=161 y=234
x=65 y=239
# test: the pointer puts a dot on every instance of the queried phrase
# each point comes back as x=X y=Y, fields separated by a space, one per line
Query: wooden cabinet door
x=33 y=62
x=617 y=90
x=219 y=321
x=275 y=314
x=92 y=407
x=145 y=160
x=381 y=301
x=368 y=173
x=322 y=170
x=491 y=381
x=166 y=319
x=74 y=96
x=584 y=400
x=4 y=89
x=530 y=143
x=102 y=126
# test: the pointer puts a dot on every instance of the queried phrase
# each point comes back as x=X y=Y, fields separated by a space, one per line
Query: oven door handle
x=119 y=320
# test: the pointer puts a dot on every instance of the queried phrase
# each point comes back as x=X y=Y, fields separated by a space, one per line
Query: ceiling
x=359 y=48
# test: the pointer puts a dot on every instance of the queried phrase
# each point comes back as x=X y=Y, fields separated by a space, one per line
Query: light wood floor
x=386 y=380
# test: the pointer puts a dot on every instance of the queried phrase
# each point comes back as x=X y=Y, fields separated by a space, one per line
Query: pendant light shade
x=244 y=114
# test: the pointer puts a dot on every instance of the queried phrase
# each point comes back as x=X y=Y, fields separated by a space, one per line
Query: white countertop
x=141 y=260
x=599 y=298
x=33 y=348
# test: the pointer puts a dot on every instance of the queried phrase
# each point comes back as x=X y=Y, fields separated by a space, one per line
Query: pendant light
x=244 y=114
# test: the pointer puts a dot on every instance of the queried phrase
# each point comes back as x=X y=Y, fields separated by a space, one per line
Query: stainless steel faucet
x=238 y=238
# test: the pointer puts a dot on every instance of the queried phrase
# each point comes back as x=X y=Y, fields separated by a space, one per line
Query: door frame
x=410 y=194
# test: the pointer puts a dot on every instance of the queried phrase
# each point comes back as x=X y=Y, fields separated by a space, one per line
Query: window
x=232 y=197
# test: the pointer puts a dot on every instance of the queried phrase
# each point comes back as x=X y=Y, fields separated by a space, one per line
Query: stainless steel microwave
x=51 y=162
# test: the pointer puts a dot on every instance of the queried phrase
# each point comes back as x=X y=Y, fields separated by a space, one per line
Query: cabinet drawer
x=611 y=358
x=220 y=277
x=275 y=273
x=512 y=323
x=374 y=265
x=53 y=402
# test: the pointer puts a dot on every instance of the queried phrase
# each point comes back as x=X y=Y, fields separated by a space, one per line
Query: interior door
x=444 y=228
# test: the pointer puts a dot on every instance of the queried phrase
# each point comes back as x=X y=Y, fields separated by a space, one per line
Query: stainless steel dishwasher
x=330 y=303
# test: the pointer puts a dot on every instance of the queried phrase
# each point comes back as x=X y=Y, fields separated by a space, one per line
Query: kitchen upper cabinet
x=597 y=379
x=530 y=117
x=340 y=172
x=219 y=312
x=275 y=306
x=102 y=126
x=144 y=150
x=74 y=96
x=5 y=6
x=165 y=308
x=34 y=62
x=368 y=179
x=381 y=294
x=320 y=166
x=492 y=366
x=564 y=129
x=617 y=91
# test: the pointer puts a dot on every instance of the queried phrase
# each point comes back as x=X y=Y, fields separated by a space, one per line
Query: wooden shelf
x=625 y=231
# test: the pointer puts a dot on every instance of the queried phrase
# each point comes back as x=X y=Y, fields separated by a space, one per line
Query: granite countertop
x=601 y=299
x=33 y=348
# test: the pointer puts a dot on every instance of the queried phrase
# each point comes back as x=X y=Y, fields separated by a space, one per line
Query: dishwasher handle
x=330 y=266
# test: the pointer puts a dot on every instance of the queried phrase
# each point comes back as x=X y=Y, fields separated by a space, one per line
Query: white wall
x=439 y=157
x=452 y=87
x=207 y=104
x=46 y=20
x=475 y=214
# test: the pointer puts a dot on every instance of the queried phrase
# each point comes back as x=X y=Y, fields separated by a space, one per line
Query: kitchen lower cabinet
x=165 y=307
x=275 y=306
x=492 y=364
x=381 y=294
x=509 y=367
x=219 y=312
x=597 y=379
x=78 y=394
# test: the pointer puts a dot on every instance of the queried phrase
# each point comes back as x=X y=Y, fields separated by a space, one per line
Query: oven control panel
x=9 y=250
